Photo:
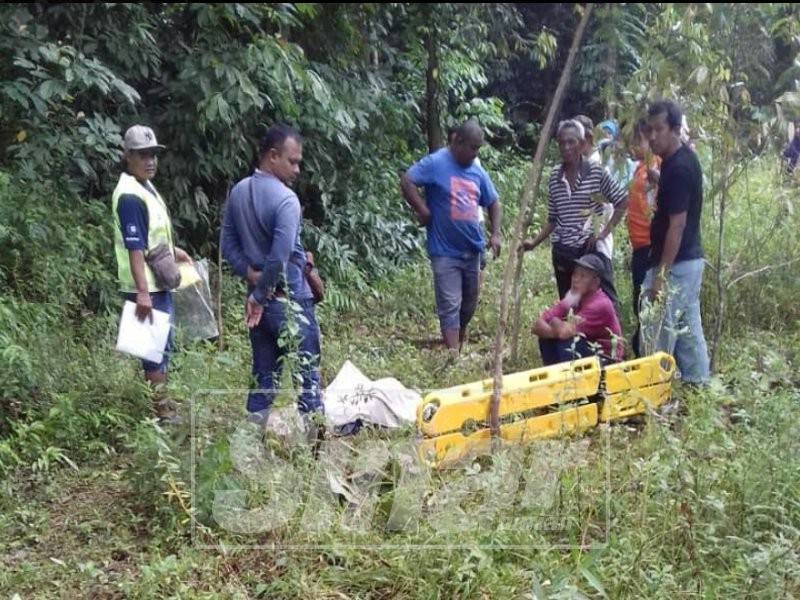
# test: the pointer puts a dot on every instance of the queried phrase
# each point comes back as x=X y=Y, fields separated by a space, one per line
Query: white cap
x=140 y=137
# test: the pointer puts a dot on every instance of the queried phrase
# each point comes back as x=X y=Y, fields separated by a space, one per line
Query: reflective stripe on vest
x=159 y=230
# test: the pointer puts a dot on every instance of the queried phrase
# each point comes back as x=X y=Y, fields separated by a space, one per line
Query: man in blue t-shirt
x=455 y=191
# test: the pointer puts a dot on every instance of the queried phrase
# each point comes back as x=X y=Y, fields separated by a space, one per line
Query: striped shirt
x=579 y=213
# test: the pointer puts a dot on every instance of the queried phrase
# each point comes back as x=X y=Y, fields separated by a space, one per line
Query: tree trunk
x=611 y=67
x=516 y=321
x=516 y=318
x=432 y=117
x=529 y=191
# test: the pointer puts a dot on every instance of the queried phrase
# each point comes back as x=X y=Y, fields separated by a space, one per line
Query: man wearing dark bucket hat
x=142 y=224
x=584 y=322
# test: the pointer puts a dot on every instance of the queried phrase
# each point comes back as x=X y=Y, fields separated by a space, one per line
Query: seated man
x=595 y=327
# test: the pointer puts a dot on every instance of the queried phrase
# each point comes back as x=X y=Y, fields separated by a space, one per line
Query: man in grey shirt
x=261 y=242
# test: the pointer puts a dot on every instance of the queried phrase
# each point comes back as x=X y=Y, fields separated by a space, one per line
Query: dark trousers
x=269 y=339
x=639 y=266
x=564 y=258
x=558 y=351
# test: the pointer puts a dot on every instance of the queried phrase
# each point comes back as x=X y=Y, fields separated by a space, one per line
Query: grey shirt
x=264 y=233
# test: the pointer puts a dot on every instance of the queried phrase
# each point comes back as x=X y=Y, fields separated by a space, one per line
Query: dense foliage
x=372 y=87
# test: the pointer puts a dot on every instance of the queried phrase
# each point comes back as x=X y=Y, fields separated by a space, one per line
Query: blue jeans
x=161 y=301
x=678 y=330
x=267 y=355
x=455 y=285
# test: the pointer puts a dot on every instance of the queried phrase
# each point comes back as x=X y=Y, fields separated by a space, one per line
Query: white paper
x=143 y=339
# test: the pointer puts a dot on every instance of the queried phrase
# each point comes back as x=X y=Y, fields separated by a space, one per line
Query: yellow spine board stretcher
x=562 y=399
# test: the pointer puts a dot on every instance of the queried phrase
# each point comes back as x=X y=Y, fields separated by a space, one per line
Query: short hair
x=468 y=128
x=586 y=123
x=571 y=124
x=276 y=136
x=671 y=109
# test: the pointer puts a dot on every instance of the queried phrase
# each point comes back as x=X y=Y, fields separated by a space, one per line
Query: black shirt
x=680 y=190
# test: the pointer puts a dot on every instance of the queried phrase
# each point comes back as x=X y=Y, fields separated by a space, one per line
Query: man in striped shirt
x=578 y=191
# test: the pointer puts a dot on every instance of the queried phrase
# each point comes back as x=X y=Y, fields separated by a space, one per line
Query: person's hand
x=496 y=243
x=310 y=260
x=655 y=289
x=253 y=276
x=424 y=216
x=526 y=245
x=182 y=256
x=252 y=311
x=144 y=306
x=653 y=176
x=572 y=298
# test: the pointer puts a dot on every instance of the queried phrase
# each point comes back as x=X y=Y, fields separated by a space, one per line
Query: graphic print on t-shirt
x=463 y=200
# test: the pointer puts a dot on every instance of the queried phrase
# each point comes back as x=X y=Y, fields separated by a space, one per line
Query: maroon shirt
x=597 y=320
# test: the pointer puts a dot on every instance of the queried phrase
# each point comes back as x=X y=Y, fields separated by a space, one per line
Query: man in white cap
x=143 y=225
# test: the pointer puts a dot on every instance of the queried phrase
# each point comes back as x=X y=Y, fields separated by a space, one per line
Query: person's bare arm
x=414 y=199
x=530 y=244
x=672 y=244
x=555 y=329
x=563 y=330
x=542 y=329
x=182 y=256
x=495 y=218
x=144 y=304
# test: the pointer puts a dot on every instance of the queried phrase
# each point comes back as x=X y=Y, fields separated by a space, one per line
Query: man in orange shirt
x=641 y=206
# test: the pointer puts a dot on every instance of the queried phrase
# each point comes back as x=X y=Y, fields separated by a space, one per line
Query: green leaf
x=48 y=88
x=594 y=581
x=224 y=109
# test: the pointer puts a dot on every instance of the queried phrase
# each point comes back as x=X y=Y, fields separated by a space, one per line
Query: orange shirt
x=640 y=209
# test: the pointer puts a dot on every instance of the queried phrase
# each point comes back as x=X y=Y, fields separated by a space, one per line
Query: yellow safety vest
x=159 y=230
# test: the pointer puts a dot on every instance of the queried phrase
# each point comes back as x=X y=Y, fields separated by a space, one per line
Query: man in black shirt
x=676 y=251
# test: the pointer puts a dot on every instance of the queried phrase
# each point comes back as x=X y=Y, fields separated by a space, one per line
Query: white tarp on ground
x=352 y=396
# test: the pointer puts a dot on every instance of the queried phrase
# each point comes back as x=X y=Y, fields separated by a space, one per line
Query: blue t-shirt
x=454 y=195
x=134 y=220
